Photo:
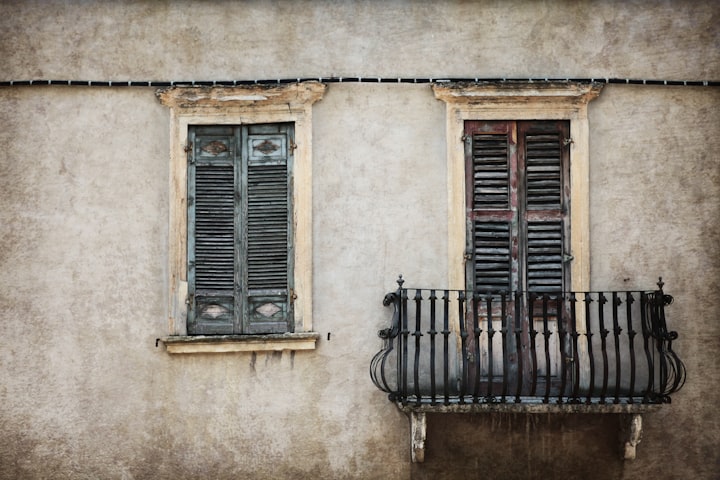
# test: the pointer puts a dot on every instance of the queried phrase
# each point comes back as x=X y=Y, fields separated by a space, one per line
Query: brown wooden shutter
x=544 y=170
x=517 y=205
x=491 y=205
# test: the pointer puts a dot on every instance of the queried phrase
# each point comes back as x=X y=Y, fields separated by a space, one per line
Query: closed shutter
x=545 y=168
x=211 y=230
x=269 y=224
x=518 y=205
x=492 y=206
x=239 y=229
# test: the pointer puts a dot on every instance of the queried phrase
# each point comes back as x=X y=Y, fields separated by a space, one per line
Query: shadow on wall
x=519 y=446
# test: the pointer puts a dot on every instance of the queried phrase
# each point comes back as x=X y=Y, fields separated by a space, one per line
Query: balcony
x=592 y=352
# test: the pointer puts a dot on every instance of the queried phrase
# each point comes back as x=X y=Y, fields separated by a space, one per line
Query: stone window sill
x=175 y=344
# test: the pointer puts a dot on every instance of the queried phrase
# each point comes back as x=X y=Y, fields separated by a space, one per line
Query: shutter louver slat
x=492 y=256
x=545 y=256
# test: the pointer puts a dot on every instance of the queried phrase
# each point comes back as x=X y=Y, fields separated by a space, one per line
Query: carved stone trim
x=199 y=98
x=511 y=92
x=239 y=343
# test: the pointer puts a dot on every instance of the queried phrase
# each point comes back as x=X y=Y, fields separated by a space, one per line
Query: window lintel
x=208 y=98
x=514 y=92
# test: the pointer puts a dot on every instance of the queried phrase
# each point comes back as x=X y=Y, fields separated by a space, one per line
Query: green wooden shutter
x=545 y=167
x=268 y=240
x=211 y=230
x=491 y=205
x=240 y=229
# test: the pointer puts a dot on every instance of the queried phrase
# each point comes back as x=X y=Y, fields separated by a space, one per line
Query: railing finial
x=660 y=284
x=400 y=281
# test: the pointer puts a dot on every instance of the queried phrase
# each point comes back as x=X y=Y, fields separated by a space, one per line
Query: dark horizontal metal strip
x=334 y=79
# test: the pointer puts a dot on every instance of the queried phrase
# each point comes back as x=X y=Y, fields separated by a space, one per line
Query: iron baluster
x=646 y=345
x=463 y=344
x=446 y=352
x=562 y=344
x=432 y=333
x=505 y=319
x=616 y=330
x=518 y=346
x=575 y=345
x=417 y=334
x=546 y=335
x=603 y=344
x=629 y=300
x=490 y=333
x=403 y=340
x=588 y=337
x=533 y=367
x=477 y=331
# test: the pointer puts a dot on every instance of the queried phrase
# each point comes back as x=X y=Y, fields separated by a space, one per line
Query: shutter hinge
x=464 y=138
x=189 y=299
x=567 y=141
x=292 y=296
x=293 y=146
x=187 y=149
x=567 y=258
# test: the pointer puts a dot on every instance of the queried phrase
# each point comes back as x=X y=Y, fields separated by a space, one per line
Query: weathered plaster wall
x=187 y=40
x=84 y=393
x=655 y=211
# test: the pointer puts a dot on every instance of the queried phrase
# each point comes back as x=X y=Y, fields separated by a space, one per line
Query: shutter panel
x=492 y=256
x=211 y=231
x=492 y=205
x=268 y=233
x=544 y=162
x=543 y=170
x=545 y=256
x=491 y=172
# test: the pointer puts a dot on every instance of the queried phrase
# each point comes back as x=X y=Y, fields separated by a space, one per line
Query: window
x=518 y=197
x=240 y=229
x=244 y=139
x=518 y=106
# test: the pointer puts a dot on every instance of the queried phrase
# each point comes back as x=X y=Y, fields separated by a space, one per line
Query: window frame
x=518 y=101
x=242 y=105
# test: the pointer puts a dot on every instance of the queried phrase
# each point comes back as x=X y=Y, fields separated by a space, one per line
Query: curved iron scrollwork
x=459 y=347
x=671 y=370
x=377 y=365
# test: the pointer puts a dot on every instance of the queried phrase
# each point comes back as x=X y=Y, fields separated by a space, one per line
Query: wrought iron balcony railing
x=448 y=347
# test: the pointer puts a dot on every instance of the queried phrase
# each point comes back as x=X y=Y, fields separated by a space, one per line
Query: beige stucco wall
x=255 y=39
x=84 y=392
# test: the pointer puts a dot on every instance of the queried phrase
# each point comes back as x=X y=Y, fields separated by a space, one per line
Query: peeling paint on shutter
x=544 y=170
x=492 y=205
x=268 y=233
x=492 y=255
x=491 y=172
x=211 y=231
x=240 y=229
x=545 y=256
